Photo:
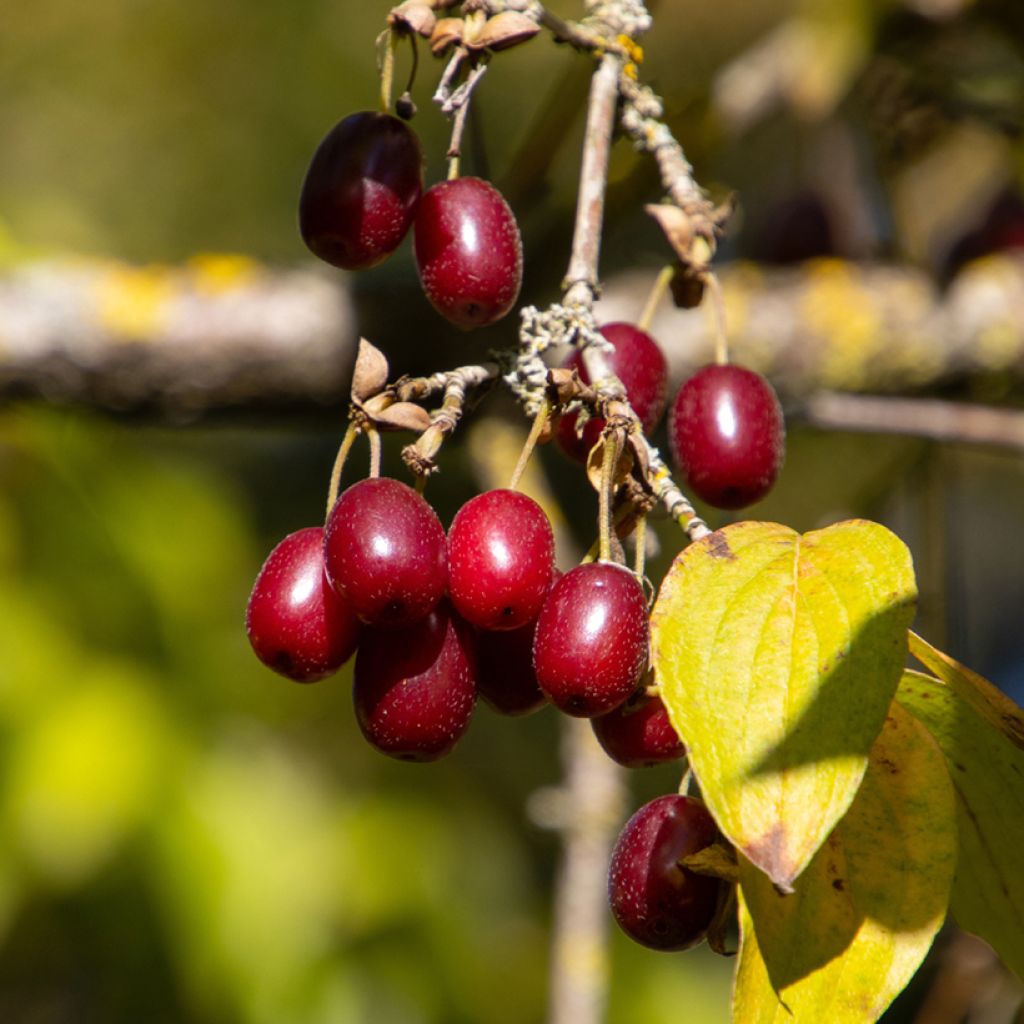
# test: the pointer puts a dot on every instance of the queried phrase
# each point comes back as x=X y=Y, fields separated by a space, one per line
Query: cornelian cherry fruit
x=639 y=363
x=361 y=190
x=655 y=900
x=500 y=559
x=385 y=551
x=468 y=251
x=727 y=435
x=296 y=622
x=638 y=734
x=415 y=688
x=592 y=638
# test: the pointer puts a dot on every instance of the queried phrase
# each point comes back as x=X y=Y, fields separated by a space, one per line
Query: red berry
x=655 y=901
x=384 y=549
x=295 y=621
x=727 y=435
x=468 y=251
x=641 y=366
x=592 y=639
x=507 y=679
x=500 y=559
x=361 y=190
x=415 y=687
x=638 y=733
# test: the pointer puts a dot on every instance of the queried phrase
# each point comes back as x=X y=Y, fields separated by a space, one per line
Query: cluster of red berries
x=364 y=190
x=439 y=619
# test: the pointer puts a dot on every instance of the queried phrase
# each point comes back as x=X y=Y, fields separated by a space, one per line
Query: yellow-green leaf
x=778 y=656
x=864 y=913
x=980 y=731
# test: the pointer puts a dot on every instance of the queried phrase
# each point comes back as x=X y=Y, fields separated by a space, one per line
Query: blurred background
x=185 y=836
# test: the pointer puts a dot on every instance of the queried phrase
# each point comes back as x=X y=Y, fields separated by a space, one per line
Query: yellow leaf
x=864 y=913
x=778 y=656
x=980 y=731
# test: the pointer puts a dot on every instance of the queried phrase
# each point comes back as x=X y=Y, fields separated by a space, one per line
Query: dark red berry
x=592 y=638
x=638 y=733
x=468 y=251
x=384 y=549
x=655 y=901
x=728 y=435
x=500 y=559
x=361 y=190
x=507 y=679
x=297 y=624
x=641 y=366
x=415 y=687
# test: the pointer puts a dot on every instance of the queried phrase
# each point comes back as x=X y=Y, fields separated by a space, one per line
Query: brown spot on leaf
x=718 y=546
x=839 y=885
x=959 y=767
x=769 y=854
x=889 y=765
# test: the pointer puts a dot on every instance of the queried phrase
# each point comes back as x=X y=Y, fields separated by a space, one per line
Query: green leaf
x=778 y=656
x=981 y=732
x=864 y=913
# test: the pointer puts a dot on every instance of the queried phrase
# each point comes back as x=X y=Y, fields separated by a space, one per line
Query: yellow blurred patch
x=82 y=776
x=218 y=272
x=131 y=302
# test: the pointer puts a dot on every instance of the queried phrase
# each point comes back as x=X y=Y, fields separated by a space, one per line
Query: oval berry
x=468 y=251
x=415 y=688
x=592 y=639
x=639 y=363
x=655 y=901
x=296 y=622
x=507 y=679
x=384 y=549
x=361 y=190
x=639 y=734
x=727 y=435
x=501 y=552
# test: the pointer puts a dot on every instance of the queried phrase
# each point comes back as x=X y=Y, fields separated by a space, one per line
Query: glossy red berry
x=297 y=624
x=727 y=435
x=468 y=251
x=640 y=364
x=415 y=687
x=638 y=733
x=500 y=559
x=384 y=549
x=361 y=190
x=592 y=639
x=655 y=901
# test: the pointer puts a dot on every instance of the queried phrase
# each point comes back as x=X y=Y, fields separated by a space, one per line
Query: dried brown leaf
x=403 y=416
x=447 y=32
x=415 y=16
x=370 y=376
x=595 y=466
x=504 y=30
x=677 y=227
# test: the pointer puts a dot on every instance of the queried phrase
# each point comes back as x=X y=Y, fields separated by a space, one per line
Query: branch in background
x=224 y=332
x=936 y=420
x=220 y=331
